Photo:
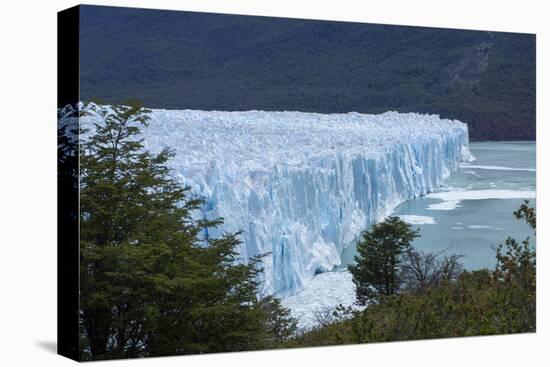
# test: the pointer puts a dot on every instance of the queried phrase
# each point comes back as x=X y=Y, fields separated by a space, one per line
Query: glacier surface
x=302 y=186
x=321 y=295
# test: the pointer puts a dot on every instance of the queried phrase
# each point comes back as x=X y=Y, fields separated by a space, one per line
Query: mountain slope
x=181 y=60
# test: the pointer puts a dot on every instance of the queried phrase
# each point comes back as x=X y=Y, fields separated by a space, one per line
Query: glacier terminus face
x=302 y=186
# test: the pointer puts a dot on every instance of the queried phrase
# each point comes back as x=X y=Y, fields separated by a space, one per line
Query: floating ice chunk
x=417 y=219
x=497 y=168
x=452 y=199
x=476 y=226
x=445 y=205
x=482 y=194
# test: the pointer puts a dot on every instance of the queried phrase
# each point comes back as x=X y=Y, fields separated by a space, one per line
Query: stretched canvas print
x=233 y=183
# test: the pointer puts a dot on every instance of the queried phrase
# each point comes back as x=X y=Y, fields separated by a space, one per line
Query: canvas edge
x=68 y=93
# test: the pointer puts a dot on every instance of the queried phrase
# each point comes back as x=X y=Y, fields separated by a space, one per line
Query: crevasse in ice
x=302 y=186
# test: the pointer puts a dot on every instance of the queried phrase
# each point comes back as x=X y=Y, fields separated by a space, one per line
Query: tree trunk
x=97 y=324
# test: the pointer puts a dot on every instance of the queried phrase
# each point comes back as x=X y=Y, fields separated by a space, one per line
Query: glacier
x=302 y=186
x=322 y=295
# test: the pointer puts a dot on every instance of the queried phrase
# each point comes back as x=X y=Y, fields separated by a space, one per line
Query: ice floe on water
x=497 y=168
x=417 y=219
x=480 y=226
x=445 y=205
x=451 y=199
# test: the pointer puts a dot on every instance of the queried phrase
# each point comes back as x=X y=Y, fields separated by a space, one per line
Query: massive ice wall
x=302 y=186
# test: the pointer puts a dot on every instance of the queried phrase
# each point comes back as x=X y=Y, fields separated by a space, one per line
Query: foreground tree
x=515 y=277
x=445 y=301
x=376 y=270
x=150 y=283
x=421 y=270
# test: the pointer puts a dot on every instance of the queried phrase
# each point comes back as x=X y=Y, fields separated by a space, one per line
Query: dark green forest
x=181 y=60
x=152 y=283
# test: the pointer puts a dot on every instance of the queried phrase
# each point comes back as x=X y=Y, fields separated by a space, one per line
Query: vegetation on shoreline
x=452 y=303
x=154 y=283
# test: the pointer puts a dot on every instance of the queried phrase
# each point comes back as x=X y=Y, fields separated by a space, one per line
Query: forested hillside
x=182 y=60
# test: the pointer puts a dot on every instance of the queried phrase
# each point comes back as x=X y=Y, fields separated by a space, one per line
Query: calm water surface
x=494 y=185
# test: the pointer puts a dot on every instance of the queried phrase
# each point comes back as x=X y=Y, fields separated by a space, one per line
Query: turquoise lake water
x=473 y=212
